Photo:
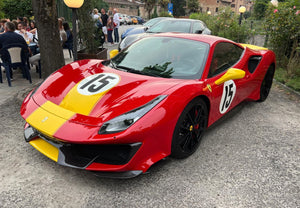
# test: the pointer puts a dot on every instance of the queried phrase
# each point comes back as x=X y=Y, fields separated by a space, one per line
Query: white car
x=128 y=20
x=121 y=19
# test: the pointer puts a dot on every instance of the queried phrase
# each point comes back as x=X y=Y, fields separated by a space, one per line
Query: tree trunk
x=45 y=15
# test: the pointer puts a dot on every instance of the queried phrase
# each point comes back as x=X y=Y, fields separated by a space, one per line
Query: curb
x=287 y=88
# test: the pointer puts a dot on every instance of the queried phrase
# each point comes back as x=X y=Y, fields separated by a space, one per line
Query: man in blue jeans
x=117 y=24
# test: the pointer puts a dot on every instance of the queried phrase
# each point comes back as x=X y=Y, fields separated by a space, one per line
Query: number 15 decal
x=98 y=83
x=229 y=91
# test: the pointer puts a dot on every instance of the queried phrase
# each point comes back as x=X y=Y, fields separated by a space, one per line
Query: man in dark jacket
x=10 y=37
x=104 y=18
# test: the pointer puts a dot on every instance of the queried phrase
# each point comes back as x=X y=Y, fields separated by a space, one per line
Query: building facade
x=214 y=6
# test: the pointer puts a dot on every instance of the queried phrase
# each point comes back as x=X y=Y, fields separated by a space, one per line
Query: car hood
x=97 y=93
x=136 y=30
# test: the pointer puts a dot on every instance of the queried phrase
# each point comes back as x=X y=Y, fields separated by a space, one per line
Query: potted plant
x=91 y=38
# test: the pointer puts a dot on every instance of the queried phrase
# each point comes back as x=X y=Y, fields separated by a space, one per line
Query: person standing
x=97 y=19
x=104 y=18
x=62 y=32
x=110 y=29
x=117 y=24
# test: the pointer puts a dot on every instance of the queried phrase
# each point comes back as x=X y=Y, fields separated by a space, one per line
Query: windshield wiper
x=113 y=65
x=132 y=70
x=128 y=69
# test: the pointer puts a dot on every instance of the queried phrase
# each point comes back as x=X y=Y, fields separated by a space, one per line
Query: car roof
x=181 y=19
x=210 y=39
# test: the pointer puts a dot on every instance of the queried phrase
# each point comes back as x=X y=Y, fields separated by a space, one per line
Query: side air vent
x=253 y=63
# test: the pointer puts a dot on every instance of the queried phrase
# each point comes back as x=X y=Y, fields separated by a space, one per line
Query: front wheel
x=266 y=84
x=189 y=129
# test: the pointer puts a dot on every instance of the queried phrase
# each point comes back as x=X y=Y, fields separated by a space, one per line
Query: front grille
x=81 y=155
x=106 y=154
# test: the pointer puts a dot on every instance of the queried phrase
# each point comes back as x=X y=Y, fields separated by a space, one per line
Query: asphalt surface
x=250 y=158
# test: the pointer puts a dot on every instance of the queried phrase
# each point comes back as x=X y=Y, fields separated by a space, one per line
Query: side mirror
x=231 y=73
x=113 y=53
x=198 y=31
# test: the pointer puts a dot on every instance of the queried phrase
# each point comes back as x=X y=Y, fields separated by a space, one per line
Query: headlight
x=125 y=120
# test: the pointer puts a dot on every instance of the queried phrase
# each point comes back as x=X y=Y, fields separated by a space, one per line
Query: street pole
x=74 y=25
x=74 y=5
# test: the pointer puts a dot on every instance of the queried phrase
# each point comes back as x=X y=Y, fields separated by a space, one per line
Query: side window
x=198 y=27
x=225 y=56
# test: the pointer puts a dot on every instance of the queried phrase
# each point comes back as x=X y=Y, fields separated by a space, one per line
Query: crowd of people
x=22 y=31
x=18 y=31
x=109 y=24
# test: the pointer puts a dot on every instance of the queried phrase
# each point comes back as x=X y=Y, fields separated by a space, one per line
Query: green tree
x=260 y=7
x=283 y=28
x=1 y=9
x=149 y=5
x=178 y=7
x=225 y=24
x=99 y=4
x=90 y=40
x=15 y=8
x=193 y=5
x=163 y=4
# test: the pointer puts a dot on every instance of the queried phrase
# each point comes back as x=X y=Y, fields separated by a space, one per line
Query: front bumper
x=83 y=156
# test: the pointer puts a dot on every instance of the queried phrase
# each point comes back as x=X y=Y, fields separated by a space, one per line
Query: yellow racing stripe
x=254 y=47
x=82 y=104
x=49 y=118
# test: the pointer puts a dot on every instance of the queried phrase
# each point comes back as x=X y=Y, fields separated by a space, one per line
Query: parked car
x=140 y=20
x=128 y=20
x=123 y=115
x=142 y=29
x=168 y=25
x=121 y=19
x=134 y=20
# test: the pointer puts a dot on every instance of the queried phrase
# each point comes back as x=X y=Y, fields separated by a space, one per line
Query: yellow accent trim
x=45 y=148
x=82 y=104
x=113 y=53
x=209 y=87
x=254 y=47
x=49 y=118
x=232 y=73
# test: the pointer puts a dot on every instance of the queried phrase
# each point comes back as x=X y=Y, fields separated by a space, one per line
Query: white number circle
x=98 y=83
x=229 y=91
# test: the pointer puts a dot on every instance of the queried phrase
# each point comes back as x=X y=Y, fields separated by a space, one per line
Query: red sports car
x=152 y=100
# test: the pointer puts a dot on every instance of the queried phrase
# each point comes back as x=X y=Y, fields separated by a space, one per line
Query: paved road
x=249 y=159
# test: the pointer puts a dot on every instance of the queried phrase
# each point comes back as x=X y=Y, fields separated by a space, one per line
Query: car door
x=227 y=94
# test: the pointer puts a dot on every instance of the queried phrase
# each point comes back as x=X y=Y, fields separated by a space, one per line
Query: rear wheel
x=189 y=129
x=266 y=84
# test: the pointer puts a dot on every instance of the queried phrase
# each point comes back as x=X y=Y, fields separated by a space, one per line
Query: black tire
x=189 y=129
x=266 y=84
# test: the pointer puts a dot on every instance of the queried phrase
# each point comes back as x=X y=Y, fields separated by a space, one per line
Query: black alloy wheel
x=189 y=129
x=266 y=84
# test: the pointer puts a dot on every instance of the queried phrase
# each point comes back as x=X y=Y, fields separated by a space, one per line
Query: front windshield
x=152 y=22
x=171 y=26
x=164 y=57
